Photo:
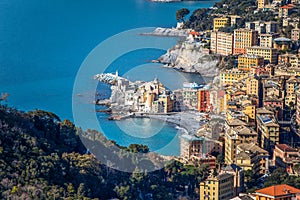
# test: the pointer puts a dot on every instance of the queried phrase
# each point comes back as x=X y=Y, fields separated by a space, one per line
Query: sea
x=43 y=44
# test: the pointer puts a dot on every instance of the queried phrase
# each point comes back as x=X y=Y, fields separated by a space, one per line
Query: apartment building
x=221 y=43
x=269 y=54
x=244 y=38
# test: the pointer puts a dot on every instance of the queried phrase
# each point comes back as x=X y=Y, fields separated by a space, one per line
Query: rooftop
x=285 y=147
x=231 y=168
x=250 y=56
x=235 y=122
x=243 y=155
x=282 y=39
x=259 y=47
x=244 y=130
x=278 y=190
x=251 y=147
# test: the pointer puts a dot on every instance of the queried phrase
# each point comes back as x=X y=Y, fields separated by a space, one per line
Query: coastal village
x=251 y=109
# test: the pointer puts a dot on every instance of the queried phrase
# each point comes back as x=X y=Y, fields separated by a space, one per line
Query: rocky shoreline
x=168 y=32
x=190 y=58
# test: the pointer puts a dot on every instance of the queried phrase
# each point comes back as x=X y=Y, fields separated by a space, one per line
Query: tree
x=181 y=13
x=250 y=179
x=138 y=148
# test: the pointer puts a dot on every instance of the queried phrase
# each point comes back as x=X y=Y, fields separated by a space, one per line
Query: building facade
x=221 y=43
x=261 y=4
x=246 y=61
x=252 y=157
x=235 y=136
x=220 y=22
x=267 y=39
x=232 y=76
x=268 y=129
x=220 y=187
x=244 y=38
x=295 y=34
x=270 y=55
x=204 y=104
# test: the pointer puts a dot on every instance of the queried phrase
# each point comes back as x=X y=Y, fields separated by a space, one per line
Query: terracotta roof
x=287 y=7
x=291 y=5
x=278 y=190
x=285 y=147
x=195 y=33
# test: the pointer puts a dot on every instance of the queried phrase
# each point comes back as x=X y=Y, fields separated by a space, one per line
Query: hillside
x=42 y=157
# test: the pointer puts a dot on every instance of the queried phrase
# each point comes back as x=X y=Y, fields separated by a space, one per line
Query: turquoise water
x=43 y=44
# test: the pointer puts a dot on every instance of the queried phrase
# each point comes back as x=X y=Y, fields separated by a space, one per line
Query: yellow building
x=246 y=61
x=261 y=4
x=290 y=88
x=220 y=22
x=250 y=111
x=220 y=187
x=221 y=43
x=221 y=101
x=235 y=136
x=292 y=59
x=282 y=43
x=252 y=85
x=244 y=38
x=249 y=156
x=231 y=76
x=166 y=103
x=270 y=55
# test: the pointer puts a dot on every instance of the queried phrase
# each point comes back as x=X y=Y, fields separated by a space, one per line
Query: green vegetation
x=280 y=176
x=202 y=19
x=181 y=13
x=42 y=157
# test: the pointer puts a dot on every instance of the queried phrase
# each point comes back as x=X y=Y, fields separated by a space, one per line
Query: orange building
x=244 y=38
x=246 y=62
x=204 y=100
x=278 y=192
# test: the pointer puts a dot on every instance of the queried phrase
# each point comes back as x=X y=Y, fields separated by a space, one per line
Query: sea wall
x=192 y=58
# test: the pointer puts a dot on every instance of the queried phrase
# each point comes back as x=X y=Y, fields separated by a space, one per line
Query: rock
x=189 y=57
x=169 y=32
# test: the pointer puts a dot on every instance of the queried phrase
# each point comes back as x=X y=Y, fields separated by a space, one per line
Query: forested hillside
x=42 y=157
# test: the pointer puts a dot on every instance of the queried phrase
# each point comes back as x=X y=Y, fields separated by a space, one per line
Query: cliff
x=189 y=57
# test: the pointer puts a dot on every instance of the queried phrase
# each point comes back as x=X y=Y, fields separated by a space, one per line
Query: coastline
x=188 y=121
